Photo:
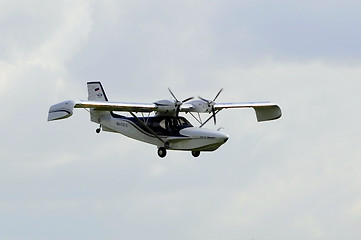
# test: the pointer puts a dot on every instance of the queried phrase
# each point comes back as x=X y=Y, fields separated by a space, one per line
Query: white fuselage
x=187 y=138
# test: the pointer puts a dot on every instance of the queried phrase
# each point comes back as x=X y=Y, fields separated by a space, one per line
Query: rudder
x=96 y=92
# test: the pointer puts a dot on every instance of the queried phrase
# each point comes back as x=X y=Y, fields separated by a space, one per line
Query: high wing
x=163 y=106
x=97 y=100
x=65 y=109
x=117 y=106
x=265 y=111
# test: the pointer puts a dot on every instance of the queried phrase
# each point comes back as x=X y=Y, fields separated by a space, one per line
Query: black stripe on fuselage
x=152 y=123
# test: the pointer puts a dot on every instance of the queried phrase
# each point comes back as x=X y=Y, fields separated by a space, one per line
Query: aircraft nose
x=223 y=136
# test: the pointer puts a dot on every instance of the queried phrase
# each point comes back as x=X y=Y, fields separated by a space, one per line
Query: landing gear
x=162 y=152
x=98 y=129
x=196 y=153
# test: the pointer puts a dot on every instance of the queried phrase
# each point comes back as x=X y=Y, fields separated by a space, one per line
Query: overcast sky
x=295 y=178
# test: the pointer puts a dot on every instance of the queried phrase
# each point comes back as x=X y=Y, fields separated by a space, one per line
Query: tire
x=196 y=153
x=162 y=152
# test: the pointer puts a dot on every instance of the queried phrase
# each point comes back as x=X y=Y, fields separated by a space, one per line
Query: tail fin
x=96 y=92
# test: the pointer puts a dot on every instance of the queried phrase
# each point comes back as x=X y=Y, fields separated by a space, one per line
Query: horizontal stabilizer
x=61 y=110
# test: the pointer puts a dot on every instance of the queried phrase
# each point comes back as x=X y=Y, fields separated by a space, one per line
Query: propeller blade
x=172 y=94
x=205 y=100
x=218 y=94
x=177 y=103
x=211 y=104
x=214 y=115
x=187 y=99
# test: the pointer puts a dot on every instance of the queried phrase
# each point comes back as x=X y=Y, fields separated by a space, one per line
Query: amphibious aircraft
x=165 y=128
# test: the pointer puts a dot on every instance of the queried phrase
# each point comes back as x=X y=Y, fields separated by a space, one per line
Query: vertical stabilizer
x=96 y=92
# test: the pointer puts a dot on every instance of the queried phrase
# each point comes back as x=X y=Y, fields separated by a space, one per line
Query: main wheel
x=196 y=153
x=162 y=152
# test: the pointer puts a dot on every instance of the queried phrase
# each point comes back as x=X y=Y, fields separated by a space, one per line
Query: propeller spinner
x=211 y=104
x=178 y=103
x=170 y=107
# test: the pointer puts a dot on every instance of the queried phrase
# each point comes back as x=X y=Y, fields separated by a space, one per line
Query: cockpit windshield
x=179 y=123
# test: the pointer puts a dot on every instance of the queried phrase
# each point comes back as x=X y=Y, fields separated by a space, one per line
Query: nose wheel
x=196 y=153
x=162 y=152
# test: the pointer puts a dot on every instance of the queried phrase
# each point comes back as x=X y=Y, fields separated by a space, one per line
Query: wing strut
x=213 y=116
x=166 y=143
x=199 y=119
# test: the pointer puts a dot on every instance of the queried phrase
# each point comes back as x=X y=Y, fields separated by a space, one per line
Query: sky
x=297 y=177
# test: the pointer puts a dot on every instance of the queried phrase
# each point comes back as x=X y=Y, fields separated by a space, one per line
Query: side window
x=162 y=124
x=184 y=122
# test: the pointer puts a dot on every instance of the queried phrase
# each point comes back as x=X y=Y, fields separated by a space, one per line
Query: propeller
x=211 y=104
x=178 y=103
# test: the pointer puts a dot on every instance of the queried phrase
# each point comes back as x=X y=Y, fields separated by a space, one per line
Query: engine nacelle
x=166 y=107
x=200 y=106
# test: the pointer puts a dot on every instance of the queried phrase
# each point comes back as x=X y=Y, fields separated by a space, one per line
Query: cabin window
x=162 y=124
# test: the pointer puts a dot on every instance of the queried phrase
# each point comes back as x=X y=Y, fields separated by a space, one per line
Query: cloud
x=288 y=31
